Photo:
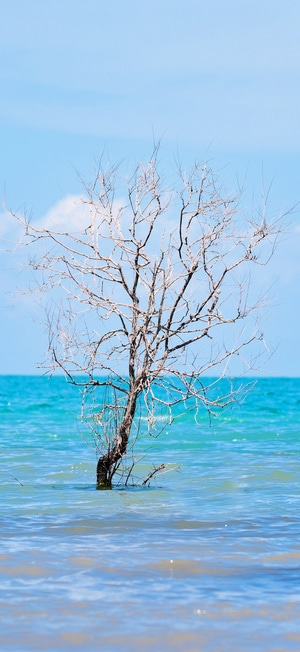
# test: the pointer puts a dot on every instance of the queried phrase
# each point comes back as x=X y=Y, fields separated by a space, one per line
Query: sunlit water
x=206 y=559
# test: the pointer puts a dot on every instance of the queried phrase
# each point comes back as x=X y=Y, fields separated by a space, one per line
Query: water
x=206 y=559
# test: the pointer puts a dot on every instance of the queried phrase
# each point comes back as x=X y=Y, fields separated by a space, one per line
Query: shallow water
x=207 y=558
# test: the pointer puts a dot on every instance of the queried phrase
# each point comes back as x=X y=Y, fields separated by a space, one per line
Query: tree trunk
x=108 y=463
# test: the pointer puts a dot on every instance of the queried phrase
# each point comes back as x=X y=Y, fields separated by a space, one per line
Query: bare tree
x=151 y=294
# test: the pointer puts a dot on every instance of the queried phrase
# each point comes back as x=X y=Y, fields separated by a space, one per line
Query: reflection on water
x=207 y=559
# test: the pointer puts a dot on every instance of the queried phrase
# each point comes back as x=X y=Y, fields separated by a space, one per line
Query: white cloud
x=68 y=214
x=5 y=223
x=10 y=230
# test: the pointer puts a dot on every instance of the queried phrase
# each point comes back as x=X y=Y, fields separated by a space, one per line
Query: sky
x=217 y=81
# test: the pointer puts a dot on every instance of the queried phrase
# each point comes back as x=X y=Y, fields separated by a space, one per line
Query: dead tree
x=151 y=293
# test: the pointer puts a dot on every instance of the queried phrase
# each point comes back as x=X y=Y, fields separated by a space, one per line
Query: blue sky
x=218 y=80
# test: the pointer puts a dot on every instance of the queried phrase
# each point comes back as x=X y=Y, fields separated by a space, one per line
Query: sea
x=205 y=559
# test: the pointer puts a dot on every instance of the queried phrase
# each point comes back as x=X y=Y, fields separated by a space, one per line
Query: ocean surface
x=206 y=559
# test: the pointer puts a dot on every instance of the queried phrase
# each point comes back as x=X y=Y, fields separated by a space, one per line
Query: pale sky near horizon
x=216 y=80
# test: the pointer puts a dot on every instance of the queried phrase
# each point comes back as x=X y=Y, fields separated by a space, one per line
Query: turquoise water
x=206 y=559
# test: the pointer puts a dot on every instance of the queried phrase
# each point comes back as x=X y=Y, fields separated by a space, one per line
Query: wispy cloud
x=68 y=214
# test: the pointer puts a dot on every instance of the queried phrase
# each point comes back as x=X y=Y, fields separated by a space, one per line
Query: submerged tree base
x=103 y=487
x=106 y=484
x=107 y=466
